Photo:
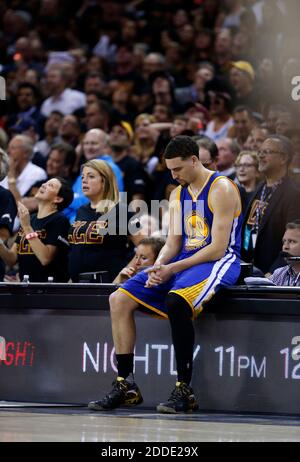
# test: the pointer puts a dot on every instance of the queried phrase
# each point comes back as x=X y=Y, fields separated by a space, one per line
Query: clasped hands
x=24 y=216
x=158 y=274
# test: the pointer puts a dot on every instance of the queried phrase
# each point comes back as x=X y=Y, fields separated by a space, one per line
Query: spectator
x=120 y=139
x=22 y=172
x=223 y=49
x=289 y=275
x=228 y=151
x=203 y=44
x=163 y=90
x=195 y=92
x=247 y=176
x=272 y=116
x=41 y=246
x=99 y=237
x=28 y=127
x=284 y=123
x=272 y=207
x=69 y=130
x=179 y=125
x=52 y=125
x=242 y=77
x=27 y=99
x=121 y=104
x=243 y=124
x=98 y=115
x=146 y=253
x=95 y=146
x=62 y=98
x=258 y=136
x=208 y=152
x=94 y=82
x=162 y=113
x=234 y=9
x=8 y=209
x=220 y=112
x=60 y=163
x=144 y=142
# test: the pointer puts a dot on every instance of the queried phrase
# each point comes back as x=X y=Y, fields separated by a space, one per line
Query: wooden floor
x=81 y=425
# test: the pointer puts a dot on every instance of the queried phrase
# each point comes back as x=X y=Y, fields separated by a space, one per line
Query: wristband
x=31 y=236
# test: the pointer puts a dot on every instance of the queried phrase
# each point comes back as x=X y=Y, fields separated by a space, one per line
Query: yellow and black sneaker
x=124 y=393
x=182 y=399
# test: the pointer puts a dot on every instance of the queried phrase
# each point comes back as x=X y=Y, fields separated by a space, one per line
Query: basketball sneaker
x=123 y=393
x=182 y=399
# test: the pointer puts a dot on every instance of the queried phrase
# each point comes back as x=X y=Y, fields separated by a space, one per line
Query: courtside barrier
x=58 y=348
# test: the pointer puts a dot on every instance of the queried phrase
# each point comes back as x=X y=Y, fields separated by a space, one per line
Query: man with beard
x=120 y=138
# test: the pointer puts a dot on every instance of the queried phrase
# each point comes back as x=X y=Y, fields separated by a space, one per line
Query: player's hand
x=158 y=274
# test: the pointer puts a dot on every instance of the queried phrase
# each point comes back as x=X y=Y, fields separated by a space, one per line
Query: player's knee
x=115 y=303
x=119 y=304
x=177 y=307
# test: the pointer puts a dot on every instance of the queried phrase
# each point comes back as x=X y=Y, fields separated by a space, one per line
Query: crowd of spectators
x=115 y=81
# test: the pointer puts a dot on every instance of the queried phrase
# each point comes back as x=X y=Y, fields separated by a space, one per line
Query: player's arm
x=225 y=203
x=172 y=246
x=174 y=240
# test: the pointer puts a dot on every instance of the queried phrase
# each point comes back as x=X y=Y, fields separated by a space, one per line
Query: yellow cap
x=128 y=129
x=244 y=66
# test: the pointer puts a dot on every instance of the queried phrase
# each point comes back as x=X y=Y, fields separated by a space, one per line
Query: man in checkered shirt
x=289 y=275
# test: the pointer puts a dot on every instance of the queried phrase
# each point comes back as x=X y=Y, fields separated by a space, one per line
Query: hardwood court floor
x=81 y=425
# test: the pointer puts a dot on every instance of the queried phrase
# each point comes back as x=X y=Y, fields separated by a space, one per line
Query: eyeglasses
x=207 y=164
x=244 y=166
x=267 y=152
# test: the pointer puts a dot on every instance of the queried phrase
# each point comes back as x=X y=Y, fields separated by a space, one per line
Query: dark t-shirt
x=8 y=212
x=100 y=244
x=134 y=176
x=52 y=230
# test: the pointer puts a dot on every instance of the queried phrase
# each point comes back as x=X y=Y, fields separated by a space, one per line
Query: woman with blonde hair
x=99 y=236
x=247 y=175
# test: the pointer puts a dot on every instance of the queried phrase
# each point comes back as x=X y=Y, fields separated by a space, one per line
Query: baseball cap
x=244 y=66
x=23 y=124
x=128 y=129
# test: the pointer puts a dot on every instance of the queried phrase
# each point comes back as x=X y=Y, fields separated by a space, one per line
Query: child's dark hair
x=66 y=193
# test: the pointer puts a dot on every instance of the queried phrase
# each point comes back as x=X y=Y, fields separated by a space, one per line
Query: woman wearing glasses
x=247 y=175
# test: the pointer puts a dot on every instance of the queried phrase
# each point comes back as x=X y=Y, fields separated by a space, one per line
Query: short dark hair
x=207 y=143
x=66 y=193
x=295 y=224
x=241 y=108
x=67 y=150
x=32 y=87
x=181 y=146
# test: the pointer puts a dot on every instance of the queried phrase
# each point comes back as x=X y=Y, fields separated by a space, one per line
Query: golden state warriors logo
x=196 y=230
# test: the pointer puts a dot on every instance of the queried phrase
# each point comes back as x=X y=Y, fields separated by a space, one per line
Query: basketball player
x=201 y=254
